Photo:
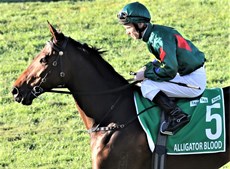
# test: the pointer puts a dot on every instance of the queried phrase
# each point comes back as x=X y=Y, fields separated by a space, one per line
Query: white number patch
x=217 y=118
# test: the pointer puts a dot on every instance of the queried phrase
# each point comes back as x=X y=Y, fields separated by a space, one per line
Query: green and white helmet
x=134 y=13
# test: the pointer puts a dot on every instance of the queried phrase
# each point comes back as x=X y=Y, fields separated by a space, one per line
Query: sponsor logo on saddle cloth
x=205 y=133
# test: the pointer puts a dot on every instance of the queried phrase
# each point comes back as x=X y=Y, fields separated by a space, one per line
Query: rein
x=115 y=90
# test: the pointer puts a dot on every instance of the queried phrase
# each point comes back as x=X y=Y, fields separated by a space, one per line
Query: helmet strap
x=140 y=29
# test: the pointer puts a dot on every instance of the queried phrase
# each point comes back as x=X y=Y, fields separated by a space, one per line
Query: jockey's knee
x=148 y=89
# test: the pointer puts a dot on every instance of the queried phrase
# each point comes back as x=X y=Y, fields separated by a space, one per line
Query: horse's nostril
x=16 y=94
x=15 y=91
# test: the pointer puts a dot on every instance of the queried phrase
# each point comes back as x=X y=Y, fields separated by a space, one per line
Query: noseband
x=37 y=90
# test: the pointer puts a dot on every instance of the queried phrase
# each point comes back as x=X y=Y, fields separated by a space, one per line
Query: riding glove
x=140 y=74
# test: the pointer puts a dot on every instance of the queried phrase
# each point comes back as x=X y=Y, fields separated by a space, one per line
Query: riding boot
x=176 y=117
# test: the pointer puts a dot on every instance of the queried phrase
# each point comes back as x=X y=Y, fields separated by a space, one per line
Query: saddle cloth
x=205 y=133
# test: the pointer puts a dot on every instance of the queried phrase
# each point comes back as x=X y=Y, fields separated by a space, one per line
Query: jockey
x=177 y=61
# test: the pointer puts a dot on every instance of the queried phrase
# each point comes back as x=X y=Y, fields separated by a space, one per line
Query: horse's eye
x=43 y=60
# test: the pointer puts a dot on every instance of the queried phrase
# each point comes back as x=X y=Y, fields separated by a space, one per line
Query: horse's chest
x=117 y=150
x=106 y=152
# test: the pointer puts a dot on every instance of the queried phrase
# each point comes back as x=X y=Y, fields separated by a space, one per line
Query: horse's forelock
x=48 y=48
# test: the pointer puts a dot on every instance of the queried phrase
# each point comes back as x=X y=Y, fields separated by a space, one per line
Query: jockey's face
x=131 y=31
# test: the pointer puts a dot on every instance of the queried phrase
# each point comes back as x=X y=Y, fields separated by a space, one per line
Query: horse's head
x=45 y=72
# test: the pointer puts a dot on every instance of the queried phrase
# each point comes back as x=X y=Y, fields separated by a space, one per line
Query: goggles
x=122 y=16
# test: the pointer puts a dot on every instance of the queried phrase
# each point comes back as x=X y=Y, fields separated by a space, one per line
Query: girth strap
x=160 y=149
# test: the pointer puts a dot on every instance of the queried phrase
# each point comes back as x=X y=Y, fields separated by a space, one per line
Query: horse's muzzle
x=18 y=97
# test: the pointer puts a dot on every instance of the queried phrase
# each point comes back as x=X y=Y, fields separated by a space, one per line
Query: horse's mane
x=89 y=49
x=94 y=50
x=96 y=54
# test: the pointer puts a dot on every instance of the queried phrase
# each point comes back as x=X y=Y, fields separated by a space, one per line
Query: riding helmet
x=134 y=13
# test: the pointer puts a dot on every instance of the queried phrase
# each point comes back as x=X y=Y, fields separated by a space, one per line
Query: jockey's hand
x=156 y=63
x=140 y=74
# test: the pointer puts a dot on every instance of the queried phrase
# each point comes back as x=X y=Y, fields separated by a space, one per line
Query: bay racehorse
x=105 y=102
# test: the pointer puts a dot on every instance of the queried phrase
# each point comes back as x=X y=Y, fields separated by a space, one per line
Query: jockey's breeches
x=197 y=78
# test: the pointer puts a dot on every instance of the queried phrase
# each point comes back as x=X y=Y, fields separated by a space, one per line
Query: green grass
x=50 y=133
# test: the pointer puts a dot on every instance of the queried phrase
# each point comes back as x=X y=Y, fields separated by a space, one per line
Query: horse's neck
x=89 y=79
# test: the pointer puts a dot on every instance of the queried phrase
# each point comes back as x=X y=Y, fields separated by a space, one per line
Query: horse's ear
x=56 y=35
